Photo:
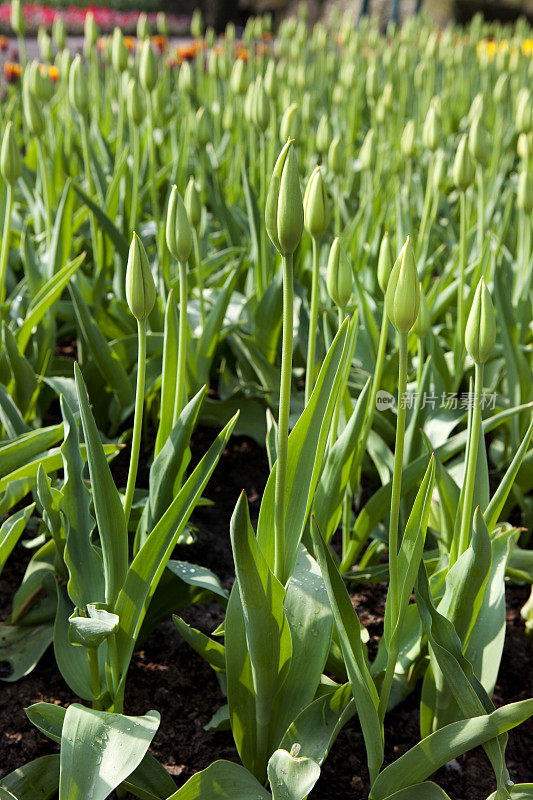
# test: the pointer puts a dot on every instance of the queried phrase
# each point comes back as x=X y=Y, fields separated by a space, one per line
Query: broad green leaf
x=21 y=369
x=349 y=628
x=422 y=791
x=209 y=338
x=15 y=453
x=108 y=508
x=44 y=299
x=268 y=636
x=71 y=660
x=11 y=531
x=118 y=240
x=211 y=651
x=291 y=777
x=61 y=233
x=21 y=647
x=10 y=416
x=494 y=508
x=222 y=780
x=450 y=742
x=150 y=780
x=520 y=791
x=99 y=750
x=307 y=444
x=169 y=372
x=36 y=780
x=195 y=575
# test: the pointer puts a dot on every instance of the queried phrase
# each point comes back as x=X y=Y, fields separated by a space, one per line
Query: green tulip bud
x=524 y=111
x=402 y=299
x=423 y=321
x=500 y=88
x=143 y=31
x=197 y=24
x=33 y=112
x=119 y=51
x=439 y=171
x=372 y=83
x=77 y=86
x=58 y=32
x=385 y=262
x=387 y=98
x=288 y=126
x=135 y=102
x=148 y=66
x=18 y=23
x=480 y=333
x=464 y=170
x=45 y=45
x=336 y=156
x=203 y=133
x=431 y=130
x=161 y=23
x=323 y=134
x=212 y=64
x=193 y=203
x=185 y=78
x=284 y=215
x=524 y=146
x=238 y=80
x=338 y=95
x=140 y=286
x=408 y=139
x=478 y=142
x=40 y=84
x=271 y=84
x=230 y=32
x=339 y=276
x=178 y=228
x=261 y=105
x=477 y=107
x=316 y=209
x=420 y=74
x=227 y=117
x=524 y=197
x=10 y=161
x=368 y=152
x=210 y=37
x=90 y=32
x=248 y=105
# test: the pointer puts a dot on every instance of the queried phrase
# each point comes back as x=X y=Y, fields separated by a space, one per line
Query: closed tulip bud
x=143 y=31
x=45 y=46
x=288 y=126
x=372 y=83
x=524 y=146
x=524 y=197
x=39 y=83
x=63 y=62
x=193 y=203
x=420 y=75
x=248 y=105
x=478 y=142
x=227 y=117
x=238 y=80
x=477 y=107
x=10 y=161
x=439 y=171
x=119 y=51
x=323 y=134
x=178 y=229
x=197 y=24
x=480 y=333
x=140 y=286
x=368 y=152
x=203 y=133
x=385 y=262
x=316 y=209
x=261 y=105
x=464 y=170
x=210 y=37
x=336 y=156
x=135 y=102
x=387 y=98
x=339 y=277
x=284 y=215
x=402 y=299
x=90 y=32
x=423 y=321
x=18 y=23
x=33 y=112
x=271 y=84
x=500 y=88
x=338 y=95
x=431 y=130
x=58 y=32
x=408 y=139
x=185 y=78
x=77 y=86
x=161 y=23
x=148 y=66
x=524 y=111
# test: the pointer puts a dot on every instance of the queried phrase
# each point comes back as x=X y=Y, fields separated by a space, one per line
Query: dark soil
x=168 y=675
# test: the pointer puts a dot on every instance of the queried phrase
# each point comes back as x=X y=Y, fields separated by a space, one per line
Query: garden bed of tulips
x=266 y=393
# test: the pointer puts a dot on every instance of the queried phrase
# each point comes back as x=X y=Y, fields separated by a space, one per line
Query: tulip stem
x=199 y=274
x=480 y=209
x=181 y=388
x=283 y=418
x=135 y=176
x=46 y=191
x=397 y=474
x=5 y=241
x=462 y=268
x=152 y=161
x=313 y=322
x=137 y=419
x=90 y=188
x=426 y=209
x=96 y=687
x=471 y=462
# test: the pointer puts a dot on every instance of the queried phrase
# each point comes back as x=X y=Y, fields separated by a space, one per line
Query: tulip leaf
x=222 y=780
x=291 y=777
x=11 y=531
x=36 y=780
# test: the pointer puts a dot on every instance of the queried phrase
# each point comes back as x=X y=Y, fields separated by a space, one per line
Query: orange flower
x=12 y=71
x=187 y=51
x=129 y=41
x=102 y=43
x=54 y=73
x=262 y=49
x=241 y=52
x=160 y=42
x=3 y=43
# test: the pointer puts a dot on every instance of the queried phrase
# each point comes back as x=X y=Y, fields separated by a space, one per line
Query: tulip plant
x=364 y=314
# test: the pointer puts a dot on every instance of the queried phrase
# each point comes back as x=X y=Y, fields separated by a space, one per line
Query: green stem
x=420 y=367
x=470 y=477
x=336 y=410
x=181 y=387
x=199 y=275
x=283 y=418
x=313 y=322
x=462 y=269
x=90 y=187
x=480 y=209
x=135 y=177
x=152 y=162
x=96 y=687
x=426 y=209
x=46 y=191
x=397 y=475
x=5 y=242
x=137 y=420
